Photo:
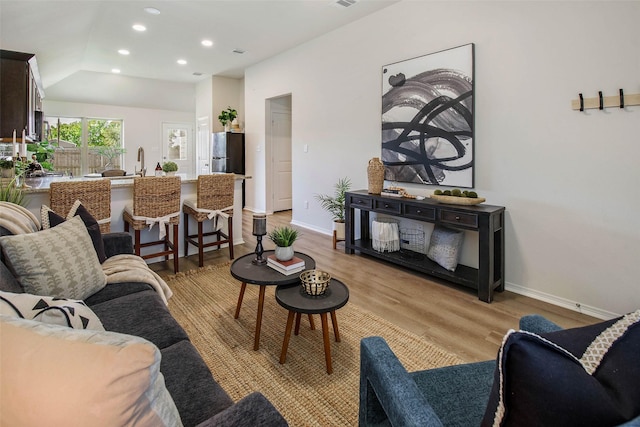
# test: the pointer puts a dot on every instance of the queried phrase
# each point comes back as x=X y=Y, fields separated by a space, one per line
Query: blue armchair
x=449 y=396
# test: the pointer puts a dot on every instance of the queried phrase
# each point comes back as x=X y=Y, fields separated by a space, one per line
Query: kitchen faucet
x=143 y=170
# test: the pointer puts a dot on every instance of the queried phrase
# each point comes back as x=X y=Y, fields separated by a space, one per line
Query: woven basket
x=375 y=174
x=315 y=282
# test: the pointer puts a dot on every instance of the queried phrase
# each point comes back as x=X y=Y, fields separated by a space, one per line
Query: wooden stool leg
x=256 y=342
x=335 y=238
x=137 y=242
x=185 y=218
x=176 y=243
x=313 y=325
x=327 y=343
x=334 y=321
x=240 y=297
x=297 y=330
x=200 y=245
x=287 y=335
x=230 y=236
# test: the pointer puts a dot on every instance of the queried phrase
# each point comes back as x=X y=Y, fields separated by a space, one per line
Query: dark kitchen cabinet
x=20 y=96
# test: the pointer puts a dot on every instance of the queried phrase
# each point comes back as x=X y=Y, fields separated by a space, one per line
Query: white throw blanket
x=132 y=268
x=385 y=236
x=18 y=220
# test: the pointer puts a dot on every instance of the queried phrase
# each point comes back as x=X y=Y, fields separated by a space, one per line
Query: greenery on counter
x=169 y=167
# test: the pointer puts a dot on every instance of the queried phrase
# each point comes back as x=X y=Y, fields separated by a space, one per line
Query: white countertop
x=41 y=184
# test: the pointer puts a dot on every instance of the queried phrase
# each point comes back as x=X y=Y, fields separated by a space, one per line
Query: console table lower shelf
x=463 y=275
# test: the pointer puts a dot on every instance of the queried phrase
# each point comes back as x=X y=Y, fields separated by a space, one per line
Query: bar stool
x=95 y=196
x=214 y=202
x=155 y=200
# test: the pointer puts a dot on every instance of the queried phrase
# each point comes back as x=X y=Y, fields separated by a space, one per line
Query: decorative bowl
x=315 y=282
x=453 y=200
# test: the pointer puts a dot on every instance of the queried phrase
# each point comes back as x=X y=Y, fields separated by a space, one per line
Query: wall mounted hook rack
x=601 y=102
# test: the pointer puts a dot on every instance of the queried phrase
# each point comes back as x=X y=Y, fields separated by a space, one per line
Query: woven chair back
x=155 y=197
x=215 y=191
x=95 y=196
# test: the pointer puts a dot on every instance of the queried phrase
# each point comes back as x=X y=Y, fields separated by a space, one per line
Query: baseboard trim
x=561 y=302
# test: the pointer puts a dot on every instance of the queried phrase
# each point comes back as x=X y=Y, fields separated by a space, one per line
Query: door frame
x=282 y=103
x=191 y=148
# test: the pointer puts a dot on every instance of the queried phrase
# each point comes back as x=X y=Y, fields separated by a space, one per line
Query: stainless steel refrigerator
x=227 y=152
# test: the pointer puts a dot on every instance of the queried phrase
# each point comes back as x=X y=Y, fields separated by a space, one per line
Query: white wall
x=569 y=180
x=227 y=92
x=142 y=126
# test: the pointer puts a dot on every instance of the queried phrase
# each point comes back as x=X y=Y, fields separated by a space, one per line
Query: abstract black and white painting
x=427 y=119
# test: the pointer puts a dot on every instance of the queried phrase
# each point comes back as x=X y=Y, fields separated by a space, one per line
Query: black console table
x=487 y=220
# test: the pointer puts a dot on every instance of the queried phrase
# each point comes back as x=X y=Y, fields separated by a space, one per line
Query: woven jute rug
x=204 y=303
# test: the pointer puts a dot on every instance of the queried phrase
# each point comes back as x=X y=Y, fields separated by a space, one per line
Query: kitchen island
x=37 y=194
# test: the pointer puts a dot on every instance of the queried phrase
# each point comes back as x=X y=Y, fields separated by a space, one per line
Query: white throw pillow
x=77 y=377
x=54 y=311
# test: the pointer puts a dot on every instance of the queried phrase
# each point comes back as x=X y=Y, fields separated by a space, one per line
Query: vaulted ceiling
x=72 y=36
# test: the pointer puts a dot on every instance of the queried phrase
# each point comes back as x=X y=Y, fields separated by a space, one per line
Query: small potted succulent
x=283 y=238
x=170 y=168
x=6 y=168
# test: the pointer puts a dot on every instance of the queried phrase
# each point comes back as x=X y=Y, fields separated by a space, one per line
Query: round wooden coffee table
x=298 y=302
x=263 y=276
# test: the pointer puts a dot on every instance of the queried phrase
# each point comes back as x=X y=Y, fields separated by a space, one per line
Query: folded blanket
x=132 y=268
x=17 y=220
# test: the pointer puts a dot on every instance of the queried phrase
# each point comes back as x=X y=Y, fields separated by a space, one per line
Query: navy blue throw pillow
x=583 y=377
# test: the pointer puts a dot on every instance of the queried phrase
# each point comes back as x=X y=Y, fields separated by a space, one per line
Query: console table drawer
x=419 y=212
x=460 y=218
x=387 y=206
x=361 y=202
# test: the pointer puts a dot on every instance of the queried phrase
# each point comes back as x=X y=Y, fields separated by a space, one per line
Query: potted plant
x=6 y=168
x=335 y=205
x=283 y=238
x=227 y=116
x=169 y=168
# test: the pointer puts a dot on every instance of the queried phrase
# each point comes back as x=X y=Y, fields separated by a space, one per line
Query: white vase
x=284 y=253
x=339 y=227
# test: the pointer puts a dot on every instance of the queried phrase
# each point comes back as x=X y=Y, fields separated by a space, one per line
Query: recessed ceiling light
x=207 y=43
x=115 y=70
x=139 y=27
x=123 y=52
x=152 y=11
x=182 y=61
x=238 y=51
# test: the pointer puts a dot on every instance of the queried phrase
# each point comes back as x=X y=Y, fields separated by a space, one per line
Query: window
x=85 y=145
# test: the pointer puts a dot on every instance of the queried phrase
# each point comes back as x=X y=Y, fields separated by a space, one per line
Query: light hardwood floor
x=448 y=315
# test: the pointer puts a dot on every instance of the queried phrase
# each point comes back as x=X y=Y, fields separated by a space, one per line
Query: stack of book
x=293 y=266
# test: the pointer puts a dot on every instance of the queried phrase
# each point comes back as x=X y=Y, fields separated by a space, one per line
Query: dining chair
x=156 y=200
x=214 y=203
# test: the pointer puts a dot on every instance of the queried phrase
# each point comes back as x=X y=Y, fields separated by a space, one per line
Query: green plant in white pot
x=227 y=116
x=170 y=168
x=283 y=238
x=6 y=168
x=335 y=204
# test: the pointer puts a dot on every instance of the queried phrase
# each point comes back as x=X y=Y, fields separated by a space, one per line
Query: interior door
x=178 y=146
x=282 y=165
x=203 y=156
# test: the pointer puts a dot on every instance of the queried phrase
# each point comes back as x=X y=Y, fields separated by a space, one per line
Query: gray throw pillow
x=59 y=262
x=445 y=247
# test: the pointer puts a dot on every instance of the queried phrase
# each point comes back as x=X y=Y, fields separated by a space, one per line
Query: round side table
x=263 y=276
x=298 y=302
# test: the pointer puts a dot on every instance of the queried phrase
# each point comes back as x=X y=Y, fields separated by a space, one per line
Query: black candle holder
x=259 y=260
x=259 y=230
